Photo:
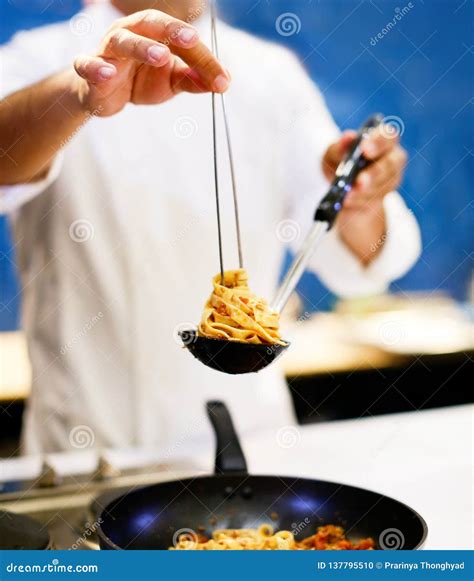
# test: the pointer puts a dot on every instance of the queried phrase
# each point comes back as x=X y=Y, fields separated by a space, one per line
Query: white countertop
x=423 y=459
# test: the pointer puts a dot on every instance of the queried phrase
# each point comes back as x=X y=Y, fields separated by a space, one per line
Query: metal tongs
x=327 y=211
x=236 y=357
x=215 y=50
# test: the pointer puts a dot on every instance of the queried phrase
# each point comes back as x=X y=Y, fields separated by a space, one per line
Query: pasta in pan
x=264 y=538
x=234 y=313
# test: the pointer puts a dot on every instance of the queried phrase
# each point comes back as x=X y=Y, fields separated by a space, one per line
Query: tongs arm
x=327 y=211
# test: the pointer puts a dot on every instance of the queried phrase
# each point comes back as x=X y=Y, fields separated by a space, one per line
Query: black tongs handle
x=346 y=174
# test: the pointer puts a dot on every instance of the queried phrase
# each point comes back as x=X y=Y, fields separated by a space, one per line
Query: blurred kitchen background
x=405 y=351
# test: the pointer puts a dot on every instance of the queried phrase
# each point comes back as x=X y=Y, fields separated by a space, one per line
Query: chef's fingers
x=357 y=200
x=379 y=141
x=159 y=26
x=94 y=69
x=364 y=199
x=124 y=44
x=336 y=151
x=202 y=61
x=185 y=79
x=368 y=190
x=376 y=175
x=183 y=40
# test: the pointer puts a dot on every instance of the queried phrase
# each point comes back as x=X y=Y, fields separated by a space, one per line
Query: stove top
x=67 y=507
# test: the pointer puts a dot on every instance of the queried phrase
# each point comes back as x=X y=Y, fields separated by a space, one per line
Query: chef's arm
x=34 y=124
x=145 y=58
x=376 y=239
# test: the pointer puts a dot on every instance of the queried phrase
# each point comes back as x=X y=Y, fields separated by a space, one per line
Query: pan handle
x=229 y=455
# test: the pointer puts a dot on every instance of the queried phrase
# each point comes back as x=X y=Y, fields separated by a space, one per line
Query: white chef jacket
x=117 y=246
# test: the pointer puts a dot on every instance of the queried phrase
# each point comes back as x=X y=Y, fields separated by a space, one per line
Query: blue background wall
x=420 y=71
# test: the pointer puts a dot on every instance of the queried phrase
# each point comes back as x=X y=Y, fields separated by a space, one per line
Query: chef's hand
x=146 y=58
x=361 y=222
x=384 y=175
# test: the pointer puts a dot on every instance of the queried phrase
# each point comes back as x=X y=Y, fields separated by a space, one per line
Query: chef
x=106 y=174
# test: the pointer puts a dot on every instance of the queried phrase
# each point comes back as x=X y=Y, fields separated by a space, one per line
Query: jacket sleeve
x=309 y=130
x=344 y=274
x=12 y=197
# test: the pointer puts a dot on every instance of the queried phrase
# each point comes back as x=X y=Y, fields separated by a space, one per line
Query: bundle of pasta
x=234 y=313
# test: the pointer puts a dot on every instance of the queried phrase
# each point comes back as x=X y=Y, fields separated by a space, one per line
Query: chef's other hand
x=384 y=175
x=146 y=58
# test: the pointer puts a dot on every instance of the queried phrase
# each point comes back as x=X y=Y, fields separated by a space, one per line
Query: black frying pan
x=149 y=517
